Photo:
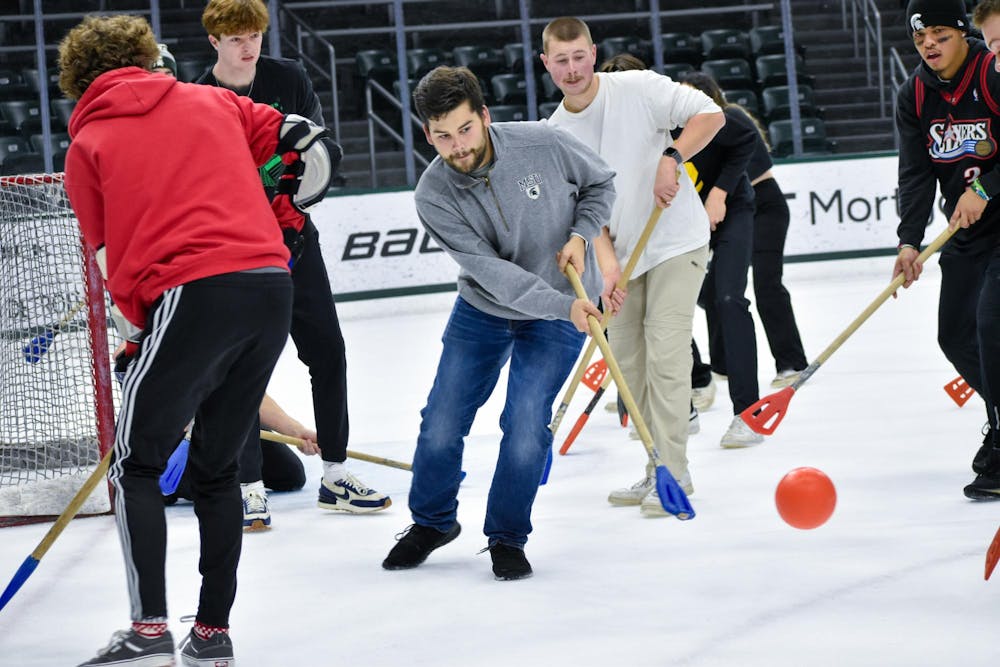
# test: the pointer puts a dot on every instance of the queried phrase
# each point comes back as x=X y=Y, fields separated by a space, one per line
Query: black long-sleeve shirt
x=949 y=135
x=723 y=163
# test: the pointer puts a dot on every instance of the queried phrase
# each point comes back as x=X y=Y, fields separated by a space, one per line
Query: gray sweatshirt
x=505 y=229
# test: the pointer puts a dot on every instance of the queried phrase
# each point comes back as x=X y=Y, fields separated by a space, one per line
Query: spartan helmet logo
x=916 y=22
x=534 y=191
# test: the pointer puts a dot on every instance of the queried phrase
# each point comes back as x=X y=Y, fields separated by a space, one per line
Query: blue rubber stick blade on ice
x=548 y=467
x=171 y=477
x=39 y=345
x=22 y=574
x=672 y=496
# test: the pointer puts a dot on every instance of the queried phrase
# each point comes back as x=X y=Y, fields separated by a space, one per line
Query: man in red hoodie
x=154 y=173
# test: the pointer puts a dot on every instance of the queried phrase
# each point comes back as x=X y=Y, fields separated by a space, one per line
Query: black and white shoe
x=984 y=487
x=351 y=495
x=415 y=544
x=216 y=651
x=128 y=647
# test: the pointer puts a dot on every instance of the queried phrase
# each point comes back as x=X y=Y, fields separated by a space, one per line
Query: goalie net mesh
x=56 y=396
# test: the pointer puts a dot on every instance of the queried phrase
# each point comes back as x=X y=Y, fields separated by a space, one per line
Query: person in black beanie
x=947 y=114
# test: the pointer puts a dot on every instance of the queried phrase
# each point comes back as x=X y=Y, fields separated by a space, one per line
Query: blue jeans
x=476 y=347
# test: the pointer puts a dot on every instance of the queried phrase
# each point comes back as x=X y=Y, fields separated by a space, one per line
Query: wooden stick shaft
x=74 y=506
x=616 y=372
x=896 y=283
x=297 y=442
x=633 y=259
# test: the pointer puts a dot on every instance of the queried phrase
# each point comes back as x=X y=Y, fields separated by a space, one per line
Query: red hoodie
x=163 y=174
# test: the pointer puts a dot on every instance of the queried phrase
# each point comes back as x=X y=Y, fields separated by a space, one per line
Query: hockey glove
x=308 y=162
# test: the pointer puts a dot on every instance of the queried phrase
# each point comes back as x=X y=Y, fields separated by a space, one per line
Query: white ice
x=894 y=578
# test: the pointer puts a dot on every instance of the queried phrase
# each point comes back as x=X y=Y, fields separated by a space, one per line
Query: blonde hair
x=565 y=29
x=99 y=44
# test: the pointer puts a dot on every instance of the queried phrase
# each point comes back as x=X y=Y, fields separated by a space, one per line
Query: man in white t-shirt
x=627 y=118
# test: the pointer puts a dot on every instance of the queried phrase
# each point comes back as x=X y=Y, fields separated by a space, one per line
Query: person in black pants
x=719 y=173
x=774 y=304
x=235 y=30
x=944 y=126
x=281 y=468
x=203 y=300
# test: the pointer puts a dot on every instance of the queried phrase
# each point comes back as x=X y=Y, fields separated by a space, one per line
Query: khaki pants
x=651 y=339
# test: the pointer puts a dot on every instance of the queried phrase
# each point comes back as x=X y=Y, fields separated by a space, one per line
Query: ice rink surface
x=894 y=578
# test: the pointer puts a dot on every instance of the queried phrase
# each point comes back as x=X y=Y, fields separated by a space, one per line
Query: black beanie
x=923 y=13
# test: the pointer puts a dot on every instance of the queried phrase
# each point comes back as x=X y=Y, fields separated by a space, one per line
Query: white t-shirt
x=628 y=124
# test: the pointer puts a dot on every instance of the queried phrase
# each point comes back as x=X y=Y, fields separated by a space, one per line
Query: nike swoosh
x=346 y=495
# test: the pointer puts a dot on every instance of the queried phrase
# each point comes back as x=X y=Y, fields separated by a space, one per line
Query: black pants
x=731 y=339
x=774 y=305
x=281 y=469
x=316 y=333
x=209 y=351
x=988 y=325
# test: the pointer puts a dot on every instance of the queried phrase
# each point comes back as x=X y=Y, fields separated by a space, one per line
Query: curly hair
x=100 y=44
x=234 y=17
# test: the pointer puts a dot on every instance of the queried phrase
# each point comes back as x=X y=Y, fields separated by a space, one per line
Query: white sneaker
x=651 y=505
x=634 y=494
x=703 y=397
x=785 y=379
x=256 y=515
x=740 y=435
x=351 y=495
x=694 y=426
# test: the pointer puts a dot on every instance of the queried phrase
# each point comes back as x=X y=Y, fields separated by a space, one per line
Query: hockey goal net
x=57 y=401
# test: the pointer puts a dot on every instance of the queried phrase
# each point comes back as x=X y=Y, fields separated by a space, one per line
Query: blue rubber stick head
x=171 y=476
x=39 y=345
x=22 y=574
x=548 y=467
x=672 y=496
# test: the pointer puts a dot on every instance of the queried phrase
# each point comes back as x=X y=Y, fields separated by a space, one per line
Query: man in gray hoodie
x=512 y=203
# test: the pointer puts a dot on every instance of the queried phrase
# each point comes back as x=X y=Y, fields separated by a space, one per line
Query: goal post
x=57 y=398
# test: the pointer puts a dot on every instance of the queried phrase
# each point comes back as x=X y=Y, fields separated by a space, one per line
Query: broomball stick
x=672 y=496
x=993 y=554
x=361 y=456
x=640 y=245
x=764 y=416
x=596 y=374
x=31 y=562
x=959 y=390
x=38 y=346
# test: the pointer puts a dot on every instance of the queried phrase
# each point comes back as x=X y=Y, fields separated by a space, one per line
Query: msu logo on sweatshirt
x=531 y=185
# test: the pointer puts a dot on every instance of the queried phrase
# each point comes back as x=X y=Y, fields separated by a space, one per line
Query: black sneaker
x=415 y=544
x=128 y=647
x=984 y=487
x=981 y=461
x=509 y=563
x=216 y=651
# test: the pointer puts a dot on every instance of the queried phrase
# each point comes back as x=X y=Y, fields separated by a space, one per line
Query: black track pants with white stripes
x=209 y=351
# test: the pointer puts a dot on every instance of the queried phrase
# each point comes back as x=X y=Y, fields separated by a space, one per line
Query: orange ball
x=805 y=498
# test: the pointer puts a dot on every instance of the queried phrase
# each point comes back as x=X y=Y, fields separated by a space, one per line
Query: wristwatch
x=675 y=154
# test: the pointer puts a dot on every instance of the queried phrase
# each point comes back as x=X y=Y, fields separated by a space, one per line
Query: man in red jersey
x=155 y=170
